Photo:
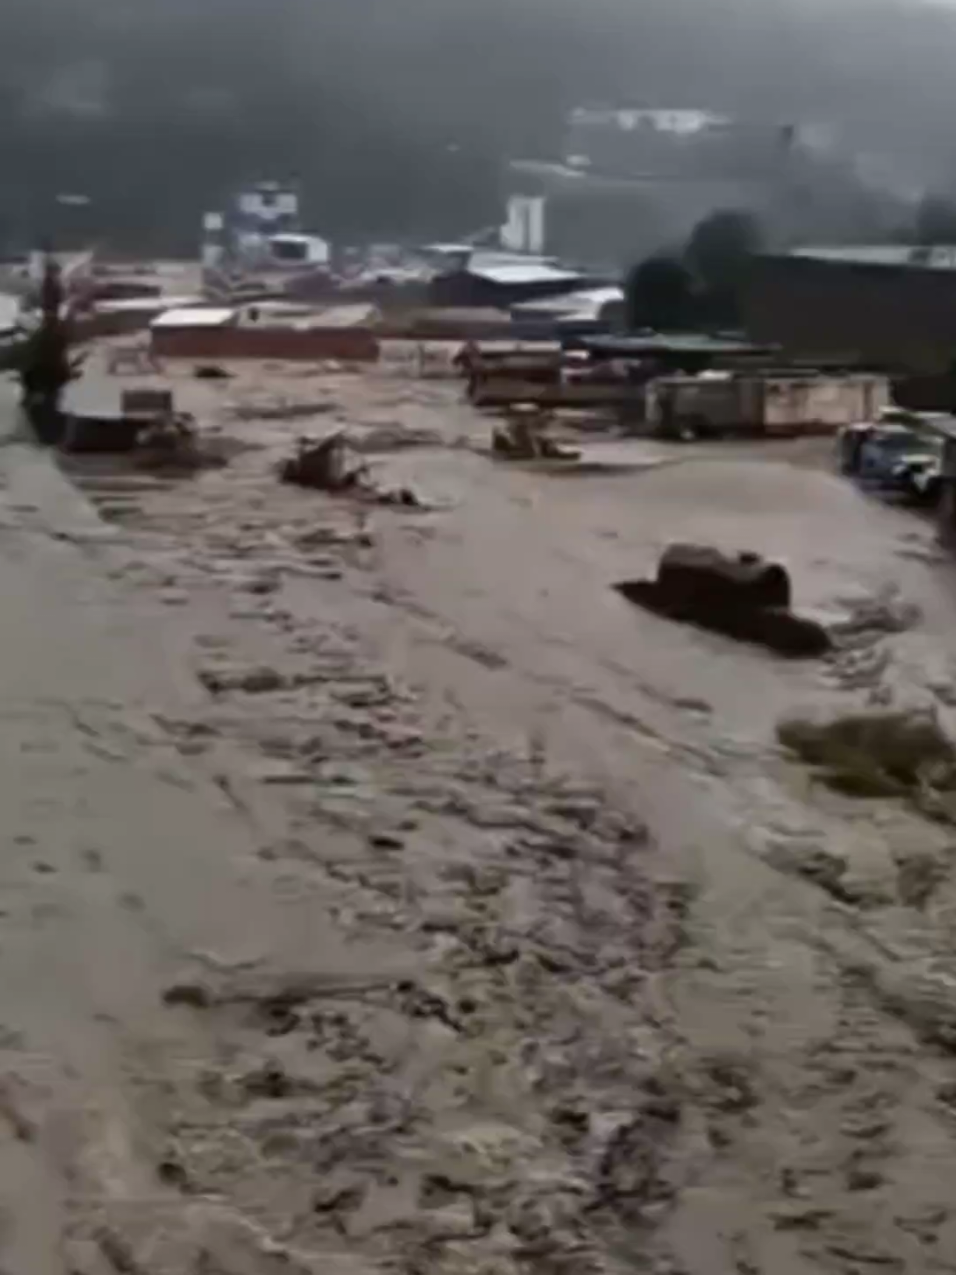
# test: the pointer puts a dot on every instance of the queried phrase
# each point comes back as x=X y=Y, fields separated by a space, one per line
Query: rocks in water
x=742 y=596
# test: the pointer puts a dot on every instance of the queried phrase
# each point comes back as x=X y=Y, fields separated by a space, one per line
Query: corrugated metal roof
x=936 y=257
x=515 y=273
x=198 y=317
x=135 y=305
x=345 y=316
x=590 y=300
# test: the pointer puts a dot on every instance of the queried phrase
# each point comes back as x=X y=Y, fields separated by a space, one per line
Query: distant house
x=294 y=250
x=267 y=331
x=502 y=280
x=582 y=311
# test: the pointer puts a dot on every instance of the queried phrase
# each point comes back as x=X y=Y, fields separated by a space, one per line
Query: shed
x=217 y=334
x=500 y=281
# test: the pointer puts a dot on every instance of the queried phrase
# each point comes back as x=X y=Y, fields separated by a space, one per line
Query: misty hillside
x=396 y=115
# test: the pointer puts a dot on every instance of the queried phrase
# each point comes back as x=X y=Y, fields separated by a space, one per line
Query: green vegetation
x=699 y=285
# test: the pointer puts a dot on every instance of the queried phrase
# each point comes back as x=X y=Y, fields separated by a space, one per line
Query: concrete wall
x=899 y=318
x=768 y=405
x=721 y=405
x=310 y=345
x=823 y=403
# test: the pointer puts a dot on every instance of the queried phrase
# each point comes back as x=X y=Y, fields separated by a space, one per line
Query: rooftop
x=136 y=305
x=195 y=317
x=584 y=299
x=514 y=272
x=935 y=257
x=678 y=343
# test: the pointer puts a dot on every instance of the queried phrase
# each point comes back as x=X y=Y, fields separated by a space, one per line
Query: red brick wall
x=313 y=345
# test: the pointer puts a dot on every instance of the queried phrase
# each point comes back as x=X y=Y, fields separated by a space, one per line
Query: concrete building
x=268 y=208
x=882 y=306
x=266 y=332
x=524 y=230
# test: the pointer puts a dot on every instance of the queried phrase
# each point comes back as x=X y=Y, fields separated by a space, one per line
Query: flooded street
x=623 y=989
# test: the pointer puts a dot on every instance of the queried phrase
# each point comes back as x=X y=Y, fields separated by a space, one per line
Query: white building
x=268 y=208
x=295 y=250
x=524 y=231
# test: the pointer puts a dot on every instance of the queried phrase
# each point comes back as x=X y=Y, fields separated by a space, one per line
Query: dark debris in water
x=877 y=754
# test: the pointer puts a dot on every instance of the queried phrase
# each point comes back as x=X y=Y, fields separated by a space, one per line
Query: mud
x=657 y=1001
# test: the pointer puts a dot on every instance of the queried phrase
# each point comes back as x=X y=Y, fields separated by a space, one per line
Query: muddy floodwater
x=625 y=989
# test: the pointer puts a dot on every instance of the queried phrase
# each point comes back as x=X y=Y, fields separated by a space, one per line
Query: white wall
x=524 y=231
x=266 y=206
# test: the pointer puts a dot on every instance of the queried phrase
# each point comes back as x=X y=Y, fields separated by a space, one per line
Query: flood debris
x=742 y=596
x=321 y=465
x=523 y=437
x=281 y=409
x=871 y=619
x=136 y=359
x=876 y=754
x=100 y=433
x=173 y=444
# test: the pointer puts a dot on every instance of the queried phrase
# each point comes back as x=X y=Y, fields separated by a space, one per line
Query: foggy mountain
x=397 y=116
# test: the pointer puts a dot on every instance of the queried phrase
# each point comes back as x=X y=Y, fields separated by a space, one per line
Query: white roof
x=345 y=316
x=587 y=300
x=295 y=237
x=532 y=272
x=9 y=311
x=133 y=304
x=449 y=249
x=193 y=317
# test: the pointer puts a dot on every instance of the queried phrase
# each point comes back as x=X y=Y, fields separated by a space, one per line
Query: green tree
x=718 y=254
x=659 y=294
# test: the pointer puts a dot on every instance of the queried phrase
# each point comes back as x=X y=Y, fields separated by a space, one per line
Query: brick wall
x=312 y=345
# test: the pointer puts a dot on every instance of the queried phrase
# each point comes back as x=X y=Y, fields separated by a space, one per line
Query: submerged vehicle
x=901 y=454
x=741 y=596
